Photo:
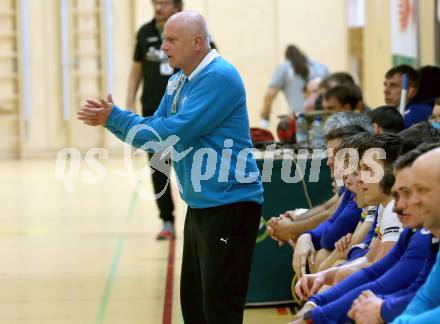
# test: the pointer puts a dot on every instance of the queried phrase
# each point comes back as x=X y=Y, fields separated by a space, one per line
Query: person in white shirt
x=291 y=77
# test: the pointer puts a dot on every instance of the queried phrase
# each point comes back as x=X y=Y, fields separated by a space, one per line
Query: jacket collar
x=212 y=54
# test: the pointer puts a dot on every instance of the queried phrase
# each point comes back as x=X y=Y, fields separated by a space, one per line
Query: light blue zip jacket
x=425 y=307
x=212 y=151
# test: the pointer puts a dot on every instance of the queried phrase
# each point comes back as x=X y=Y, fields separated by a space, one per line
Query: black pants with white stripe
x=217 y=253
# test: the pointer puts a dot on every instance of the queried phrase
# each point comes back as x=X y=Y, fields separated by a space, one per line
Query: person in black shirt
x=150 y=65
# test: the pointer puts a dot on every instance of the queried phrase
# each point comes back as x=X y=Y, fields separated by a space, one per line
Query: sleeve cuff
x=386 y=313
x=113 y=117
x=311 y=303
x=315 y=300
x=394 y=237
x=361 y=246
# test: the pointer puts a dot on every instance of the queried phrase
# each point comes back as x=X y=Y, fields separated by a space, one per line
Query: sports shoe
x=167 y=232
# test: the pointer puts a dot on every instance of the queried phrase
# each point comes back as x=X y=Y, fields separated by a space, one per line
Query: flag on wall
x=405 y=32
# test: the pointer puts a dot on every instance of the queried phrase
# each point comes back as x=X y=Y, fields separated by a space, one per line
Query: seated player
x=400 y=267
x=425 y=307
x=369 y=308
x=289 y=226
x=343 y=245
x=388 y=224
x=387 y=119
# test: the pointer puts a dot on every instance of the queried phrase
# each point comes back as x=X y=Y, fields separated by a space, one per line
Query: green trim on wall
x=400 y=59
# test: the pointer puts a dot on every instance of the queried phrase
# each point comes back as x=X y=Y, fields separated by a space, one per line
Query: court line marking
x=115 y=262
x=168 y=300
x=110 y=279
x=23 y=231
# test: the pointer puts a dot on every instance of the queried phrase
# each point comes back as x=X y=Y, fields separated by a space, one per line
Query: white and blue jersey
x=425 y=307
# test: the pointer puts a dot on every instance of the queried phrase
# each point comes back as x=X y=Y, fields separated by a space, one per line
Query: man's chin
x=436 y=232
x=403 y=220
x=160 y=18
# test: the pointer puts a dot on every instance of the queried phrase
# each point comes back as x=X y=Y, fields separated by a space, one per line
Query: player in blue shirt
x=288 y=227
x=368 y=215
x=425 y=307
x=369 y=308
x=394 y=272
x=412 y=257
x=377 y=194
x=344 y=220
x=305 y=289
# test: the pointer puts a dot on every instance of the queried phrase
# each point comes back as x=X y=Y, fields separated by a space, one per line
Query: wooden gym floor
x=90 y=255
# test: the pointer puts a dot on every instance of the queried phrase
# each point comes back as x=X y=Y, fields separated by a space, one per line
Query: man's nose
x=414 y=200
x=330 y=160
x=401 y=204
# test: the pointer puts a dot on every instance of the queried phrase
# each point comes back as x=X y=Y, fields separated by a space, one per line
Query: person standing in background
x=291 y=77
x=150 y=66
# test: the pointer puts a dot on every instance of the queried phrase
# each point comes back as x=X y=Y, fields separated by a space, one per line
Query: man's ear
x=347 y=107
x=377 y=129
x=412 y=91
x=197 y=41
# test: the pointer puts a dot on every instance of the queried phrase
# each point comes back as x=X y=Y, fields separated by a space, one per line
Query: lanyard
x=177 y=96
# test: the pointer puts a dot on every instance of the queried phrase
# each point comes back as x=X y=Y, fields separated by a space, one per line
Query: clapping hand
x=96 y=113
